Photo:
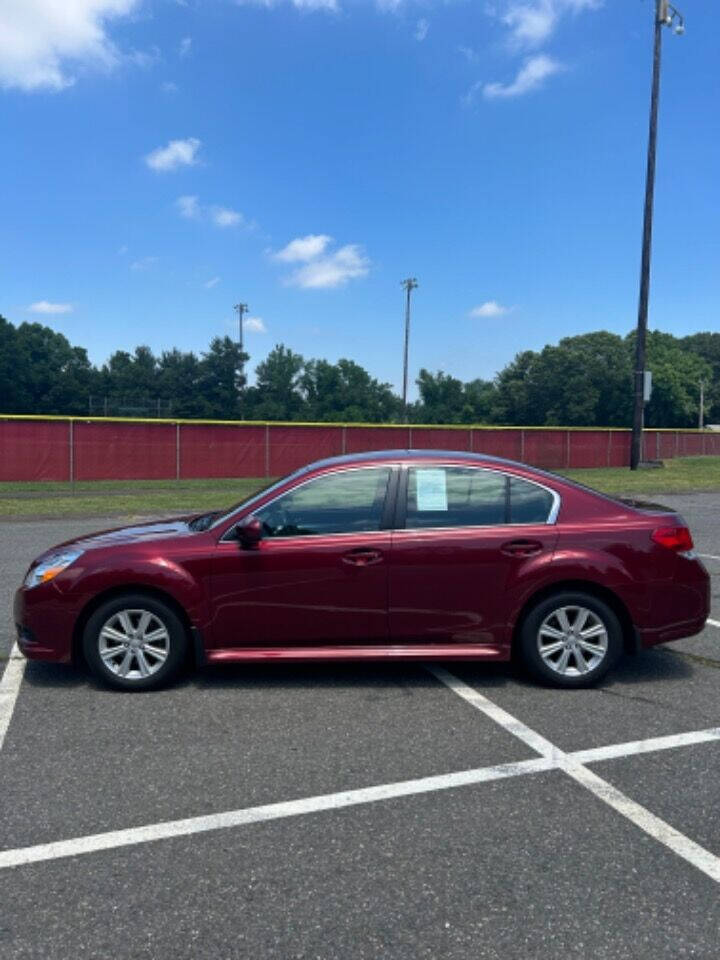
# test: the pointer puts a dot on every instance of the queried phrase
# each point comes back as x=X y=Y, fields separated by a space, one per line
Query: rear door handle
x=521 y=548
x=362 y=557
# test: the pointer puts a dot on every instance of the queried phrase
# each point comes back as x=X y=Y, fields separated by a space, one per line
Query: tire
x=135 y=642
x=570 y=639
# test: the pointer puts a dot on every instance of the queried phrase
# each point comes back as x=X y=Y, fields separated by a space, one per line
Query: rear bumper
x=44 y=625
x=678 y=608
x=688 y=628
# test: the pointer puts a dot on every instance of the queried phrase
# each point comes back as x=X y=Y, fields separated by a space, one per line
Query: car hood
x=143 y=532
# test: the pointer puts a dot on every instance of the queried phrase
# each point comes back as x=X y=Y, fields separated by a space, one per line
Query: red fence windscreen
x=34 y=450
x=64 y=450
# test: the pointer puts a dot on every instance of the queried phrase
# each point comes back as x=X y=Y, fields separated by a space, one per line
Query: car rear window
x=529 y=503
x=472 y=497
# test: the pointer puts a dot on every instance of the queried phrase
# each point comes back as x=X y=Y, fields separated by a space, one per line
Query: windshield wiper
x=203 y=521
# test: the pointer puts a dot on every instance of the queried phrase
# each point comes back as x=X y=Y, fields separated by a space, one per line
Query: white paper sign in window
x=431 y=490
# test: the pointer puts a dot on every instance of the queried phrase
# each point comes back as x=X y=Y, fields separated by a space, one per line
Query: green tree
x=676 y=381
x=178 y=380
x=706 y=345
x=51 y=376
x=277 y=394
x=222 y=379
x=345 y=391
x=12 y=388
x=442 y=399
x=581 y=381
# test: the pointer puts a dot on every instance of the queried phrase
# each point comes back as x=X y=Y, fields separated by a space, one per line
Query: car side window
x=472 y=497
x=455 y=497
x=529 y=503
x=350 y=501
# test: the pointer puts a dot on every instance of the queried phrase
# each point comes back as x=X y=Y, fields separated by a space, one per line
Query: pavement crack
x=628 y=696
x=697 y=658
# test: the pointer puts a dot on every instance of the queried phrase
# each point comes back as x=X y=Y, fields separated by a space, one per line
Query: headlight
x=51 y=566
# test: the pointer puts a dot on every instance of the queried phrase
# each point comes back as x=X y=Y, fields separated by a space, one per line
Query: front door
x=470 y=536
x=320 y=573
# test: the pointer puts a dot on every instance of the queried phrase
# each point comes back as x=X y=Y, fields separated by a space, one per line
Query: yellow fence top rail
x=301 y=423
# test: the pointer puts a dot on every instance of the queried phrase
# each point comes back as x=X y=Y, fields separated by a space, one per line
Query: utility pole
x=701 y=415
x=665 y=16
x=410 y=284
x=242 y=309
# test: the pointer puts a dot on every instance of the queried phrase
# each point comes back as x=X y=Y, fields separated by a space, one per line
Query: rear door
x=469 y=534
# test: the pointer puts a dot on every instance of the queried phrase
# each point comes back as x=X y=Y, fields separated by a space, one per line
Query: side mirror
x=249 y=532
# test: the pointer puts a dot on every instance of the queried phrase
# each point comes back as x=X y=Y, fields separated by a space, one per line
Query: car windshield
x=220 y=516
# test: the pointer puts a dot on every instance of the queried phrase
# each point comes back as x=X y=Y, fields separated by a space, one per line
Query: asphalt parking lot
x=372 y=811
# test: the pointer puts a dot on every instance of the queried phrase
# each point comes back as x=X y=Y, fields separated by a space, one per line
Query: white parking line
x=570 y=763
x=708 y=556
x=270 y=811
x=9 y=688
x=713 y=623
x=661 y=831
x=635 y=747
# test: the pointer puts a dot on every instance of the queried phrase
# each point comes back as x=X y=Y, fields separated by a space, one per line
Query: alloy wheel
x=572 y=641
x=133 y=644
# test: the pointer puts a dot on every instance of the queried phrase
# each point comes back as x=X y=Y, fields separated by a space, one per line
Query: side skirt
x=435 y=651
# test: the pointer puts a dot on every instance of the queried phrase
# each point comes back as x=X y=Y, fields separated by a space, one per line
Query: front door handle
x=362 y=557
x=521 y=548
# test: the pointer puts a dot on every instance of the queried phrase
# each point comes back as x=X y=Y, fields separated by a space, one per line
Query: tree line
x=584 y=380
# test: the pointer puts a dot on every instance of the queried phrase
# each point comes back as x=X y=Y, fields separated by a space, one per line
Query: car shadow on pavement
x=41 y=674
x=309 y=675
x=649 y=666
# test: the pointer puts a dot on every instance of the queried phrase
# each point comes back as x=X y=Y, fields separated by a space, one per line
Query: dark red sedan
x=403 y=555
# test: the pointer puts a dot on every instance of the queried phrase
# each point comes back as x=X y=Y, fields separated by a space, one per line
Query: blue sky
x=162 y=160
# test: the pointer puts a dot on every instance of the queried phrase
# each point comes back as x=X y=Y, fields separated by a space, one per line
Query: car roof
x=410 y=455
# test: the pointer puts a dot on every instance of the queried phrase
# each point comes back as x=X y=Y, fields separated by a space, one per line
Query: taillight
x=674 y=538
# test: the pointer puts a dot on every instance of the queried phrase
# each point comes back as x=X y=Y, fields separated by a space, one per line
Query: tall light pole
x=701 y=413
x=665 y=16
x=410 y=284
x=242 y=309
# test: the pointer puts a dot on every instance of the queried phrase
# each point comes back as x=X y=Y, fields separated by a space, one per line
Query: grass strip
x=165 y=497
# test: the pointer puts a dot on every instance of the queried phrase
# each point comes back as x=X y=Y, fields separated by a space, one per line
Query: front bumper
x=44 y=625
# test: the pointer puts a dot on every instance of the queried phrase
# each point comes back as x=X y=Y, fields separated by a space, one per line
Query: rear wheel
x=134 y=642
x=571 y=639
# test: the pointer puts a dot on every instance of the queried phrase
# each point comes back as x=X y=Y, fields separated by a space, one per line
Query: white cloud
x=188 y=207
x=212 y=282
x=224 y=217
x=304 y=248
x=529 y=77
x=532 y=23
x=144 y=58
x=254 y=325
x=491 y=308
x=46 y=307
x=185 y=46
x=43 y=43
x=122 y=250
x=144 y=263
x=177 y=153
x=322 y=269
x=469 y=54
x=310 y=5
x=421 y=29
x=332 y=270
x=167 y=86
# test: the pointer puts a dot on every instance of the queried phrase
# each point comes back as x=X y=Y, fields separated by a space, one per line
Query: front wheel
x=134 y=642
x=571 y=639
